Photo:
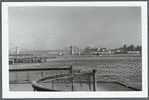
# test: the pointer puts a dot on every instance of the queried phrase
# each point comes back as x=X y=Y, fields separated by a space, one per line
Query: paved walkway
x=77 y=87
x=20 y=87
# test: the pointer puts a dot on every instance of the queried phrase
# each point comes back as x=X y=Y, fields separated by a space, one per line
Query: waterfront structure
x=95 y=50
x=133 y=52
x=72 y=50
x=25 y=58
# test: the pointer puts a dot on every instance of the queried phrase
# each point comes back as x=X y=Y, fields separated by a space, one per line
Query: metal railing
x=66 y=79
x=25 y=75
x=59 y=81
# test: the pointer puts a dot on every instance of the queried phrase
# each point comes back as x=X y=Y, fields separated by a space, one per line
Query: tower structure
x=71 y=50
x=17 y=50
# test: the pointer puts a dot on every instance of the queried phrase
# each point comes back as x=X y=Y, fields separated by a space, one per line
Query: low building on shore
x=25 y=58
x=133 y=52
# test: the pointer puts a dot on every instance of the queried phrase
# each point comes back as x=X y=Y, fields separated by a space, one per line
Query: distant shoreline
x=95 y=57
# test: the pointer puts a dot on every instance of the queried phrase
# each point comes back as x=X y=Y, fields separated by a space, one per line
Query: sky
x=53 y=28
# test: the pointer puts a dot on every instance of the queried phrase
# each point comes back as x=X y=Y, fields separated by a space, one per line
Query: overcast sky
x=52 y=28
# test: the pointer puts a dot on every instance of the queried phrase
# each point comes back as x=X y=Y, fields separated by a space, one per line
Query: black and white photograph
x=91 y=49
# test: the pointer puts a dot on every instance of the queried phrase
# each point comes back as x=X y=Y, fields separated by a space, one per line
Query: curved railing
x=68 y=78
x=77 y=78
x=87 y=78
x=38 y=87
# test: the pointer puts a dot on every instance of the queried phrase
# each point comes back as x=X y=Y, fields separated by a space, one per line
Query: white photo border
x=120 y=94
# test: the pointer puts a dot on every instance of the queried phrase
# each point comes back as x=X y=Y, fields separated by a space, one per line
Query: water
x=126 y=69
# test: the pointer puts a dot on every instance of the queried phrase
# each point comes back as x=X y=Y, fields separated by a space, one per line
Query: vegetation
x=131 y=48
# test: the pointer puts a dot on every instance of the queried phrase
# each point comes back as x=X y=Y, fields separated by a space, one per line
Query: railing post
x=16 y=76
x=42 y=73
x=52 y=85
x=70 y=69
x=71 y=78
x=28 y=75
x=57 y=72
x=94 y=80
x=80 y=78
x=89 y=81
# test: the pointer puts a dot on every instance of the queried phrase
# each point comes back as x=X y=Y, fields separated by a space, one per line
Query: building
x=25 y=58
x=72 y=50
x=91 y=50
x=11 y=61
x=12 y=56
x=102 y=50
x=133 y=52
x=95 y=50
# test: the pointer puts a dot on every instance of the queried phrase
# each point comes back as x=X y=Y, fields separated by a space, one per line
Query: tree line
x=131 y=48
